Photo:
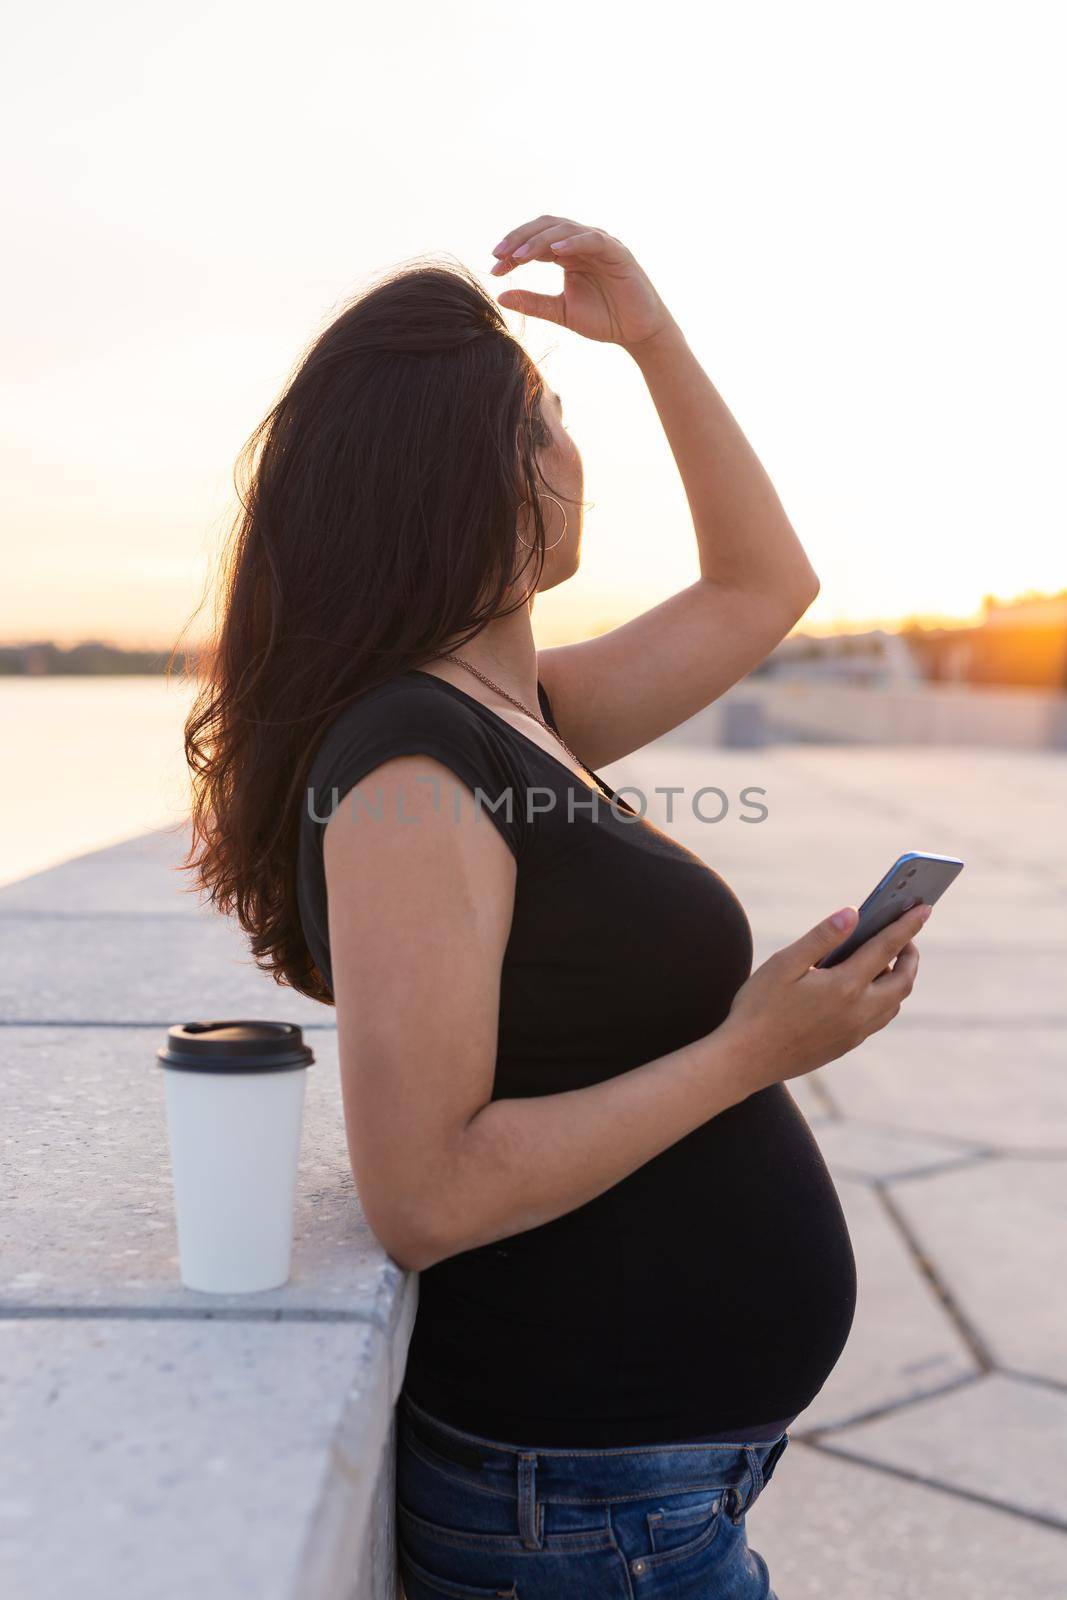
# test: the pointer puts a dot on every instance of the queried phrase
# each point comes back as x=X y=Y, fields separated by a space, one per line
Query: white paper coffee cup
x=235 y=1107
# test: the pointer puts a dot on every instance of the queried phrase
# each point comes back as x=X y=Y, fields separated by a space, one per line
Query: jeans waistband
x=739 y=1470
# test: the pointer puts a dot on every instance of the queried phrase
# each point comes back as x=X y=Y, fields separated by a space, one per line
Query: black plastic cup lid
x=235 y=1047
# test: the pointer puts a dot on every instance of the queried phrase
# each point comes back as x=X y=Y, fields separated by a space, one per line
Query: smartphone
x=914 y=878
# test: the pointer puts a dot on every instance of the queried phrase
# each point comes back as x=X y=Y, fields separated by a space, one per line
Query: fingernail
x=842 y=918
x=560 y=244
x=522 y=250
x=499 y=249
x=925 y=912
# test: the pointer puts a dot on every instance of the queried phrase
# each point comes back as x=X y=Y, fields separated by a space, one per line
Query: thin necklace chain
x=519 y=705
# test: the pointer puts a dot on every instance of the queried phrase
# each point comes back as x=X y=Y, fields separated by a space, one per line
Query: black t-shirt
x=712 y=1289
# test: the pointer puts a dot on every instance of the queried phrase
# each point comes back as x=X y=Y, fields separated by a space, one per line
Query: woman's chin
x=552 y=576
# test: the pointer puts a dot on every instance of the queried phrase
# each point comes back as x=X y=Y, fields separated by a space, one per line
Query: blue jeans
x=477 y=1518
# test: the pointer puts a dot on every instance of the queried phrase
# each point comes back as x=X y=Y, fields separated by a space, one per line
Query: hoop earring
x=555 y=542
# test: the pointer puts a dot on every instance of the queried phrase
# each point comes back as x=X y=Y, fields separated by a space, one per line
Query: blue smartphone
x=914 y=878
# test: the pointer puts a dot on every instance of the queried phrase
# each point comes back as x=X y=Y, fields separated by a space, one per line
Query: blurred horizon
x=560 y=632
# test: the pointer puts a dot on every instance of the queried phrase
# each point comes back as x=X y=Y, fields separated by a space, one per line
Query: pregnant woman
x=564 y=1087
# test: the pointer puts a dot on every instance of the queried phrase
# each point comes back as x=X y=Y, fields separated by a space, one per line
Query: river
x=92 y=761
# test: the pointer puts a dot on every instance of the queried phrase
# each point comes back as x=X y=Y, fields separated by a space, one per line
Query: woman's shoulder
x=417 y=715
x=413 y=705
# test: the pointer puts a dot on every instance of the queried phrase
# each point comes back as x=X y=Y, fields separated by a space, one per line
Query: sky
x=853 y=211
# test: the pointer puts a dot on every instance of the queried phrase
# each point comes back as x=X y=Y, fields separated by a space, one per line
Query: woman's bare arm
x=615 y=693
x=419 y=916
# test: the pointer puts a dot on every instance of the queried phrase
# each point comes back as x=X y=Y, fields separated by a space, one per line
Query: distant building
x=878 y=657
x=91 y=658
x=1021 y=642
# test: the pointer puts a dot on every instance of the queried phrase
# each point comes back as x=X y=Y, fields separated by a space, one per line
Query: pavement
x=933 y=1463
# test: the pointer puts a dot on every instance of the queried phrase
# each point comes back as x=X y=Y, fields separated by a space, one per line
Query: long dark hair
x=377 y=522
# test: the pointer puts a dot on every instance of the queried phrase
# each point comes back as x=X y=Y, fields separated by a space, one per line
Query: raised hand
x=606 y=295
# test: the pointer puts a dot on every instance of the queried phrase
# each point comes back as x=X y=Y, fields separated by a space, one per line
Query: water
x=91 y=761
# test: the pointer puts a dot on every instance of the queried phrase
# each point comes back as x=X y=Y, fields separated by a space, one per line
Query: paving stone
x=210 y=1493
x=1003 y=806
x=88 y=1214
x=831 y=1529
x=997 y=1235
x=995 y=1085
x=902 y=1344
x=835 y=823
x=957 y=933
x=167 y=968
x=783 y=852
x=857 y=1151
x=115 y=937
x=834 y=827
x=1007 y=986
x=1001 y=1438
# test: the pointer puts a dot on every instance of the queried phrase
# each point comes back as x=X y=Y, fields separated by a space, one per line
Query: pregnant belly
x=715 y=1285
x=738 y=1235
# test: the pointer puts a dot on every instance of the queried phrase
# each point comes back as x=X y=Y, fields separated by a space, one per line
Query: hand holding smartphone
x=792 y=1022
x=913 y=878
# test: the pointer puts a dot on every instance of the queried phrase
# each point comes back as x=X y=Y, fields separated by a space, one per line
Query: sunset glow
x=851 y=221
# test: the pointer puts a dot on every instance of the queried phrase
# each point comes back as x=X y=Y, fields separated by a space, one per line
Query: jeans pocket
x=682 y=1526
x=421 y=1584
x=434 y=1502
x=773 y=1456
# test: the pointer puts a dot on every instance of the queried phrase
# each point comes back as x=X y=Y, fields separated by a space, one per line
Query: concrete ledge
x=941 y=714
x=163 y=1442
